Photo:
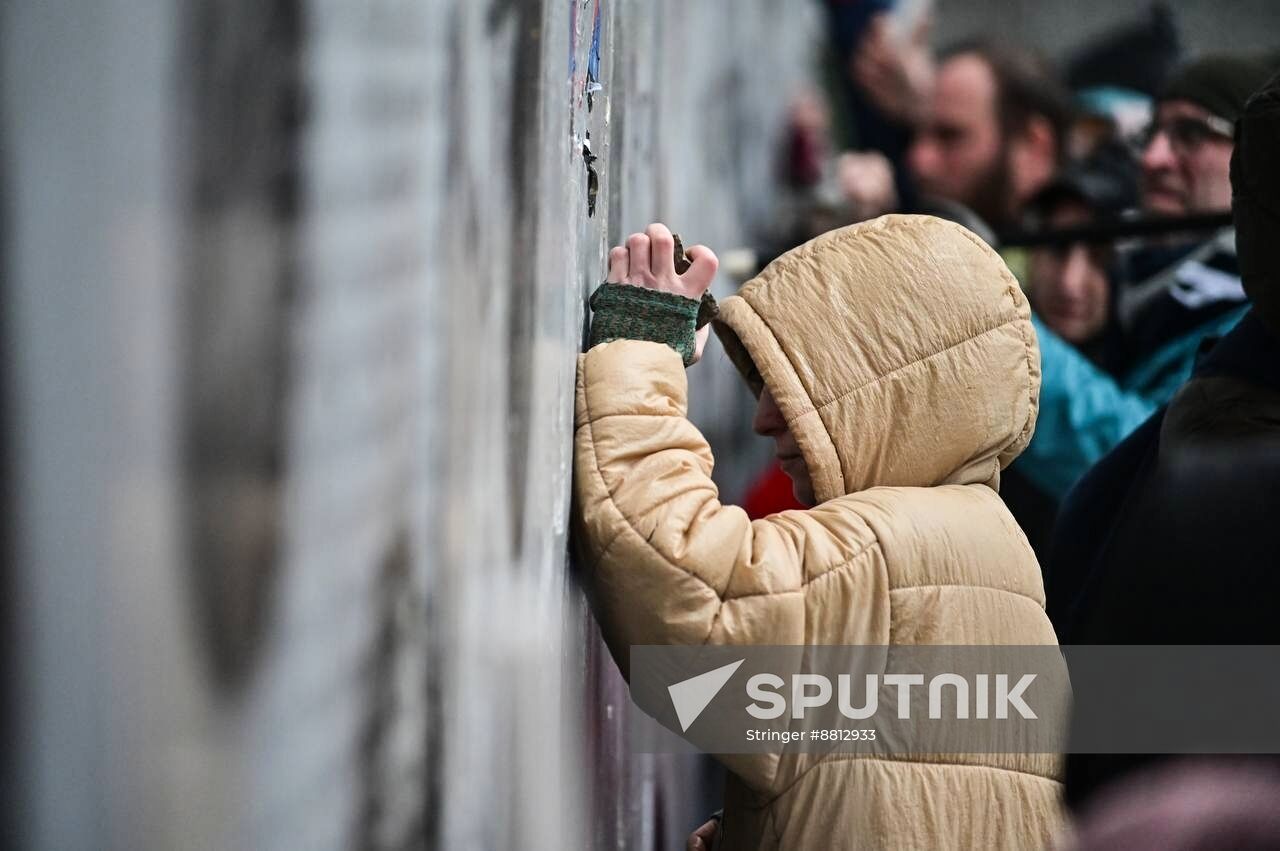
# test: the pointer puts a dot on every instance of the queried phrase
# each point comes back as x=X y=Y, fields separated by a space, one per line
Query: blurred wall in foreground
x=293 y=294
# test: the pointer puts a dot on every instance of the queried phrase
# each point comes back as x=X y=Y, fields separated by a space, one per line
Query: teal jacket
x=1084 y=411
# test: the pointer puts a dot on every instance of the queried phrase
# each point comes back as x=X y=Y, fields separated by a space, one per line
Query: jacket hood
x=900 y=351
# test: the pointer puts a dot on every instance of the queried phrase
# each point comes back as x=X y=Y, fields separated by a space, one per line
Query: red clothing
x=770 y=493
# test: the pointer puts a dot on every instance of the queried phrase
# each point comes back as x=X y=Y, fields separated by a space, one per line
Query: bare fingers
x=648 y=260
x=619 y=265
x=662 y=253
x=701 y=272
x=638 y=249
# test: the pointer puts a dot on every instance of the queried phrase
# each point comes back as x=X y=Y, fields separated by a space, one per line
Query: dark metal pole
x=1110 y=231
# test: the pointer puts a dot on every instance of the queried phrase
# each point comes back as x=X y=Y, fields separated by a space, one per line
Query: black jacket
x=1174 y=537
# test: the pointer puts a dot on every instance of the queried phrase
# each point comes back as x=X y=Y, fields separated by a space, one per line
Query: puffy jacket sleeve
x=1084 y=412
x=665 y=562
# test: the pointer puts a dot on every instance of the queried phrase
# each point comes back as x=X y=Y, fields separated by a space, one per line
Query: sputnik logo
x=691 y=696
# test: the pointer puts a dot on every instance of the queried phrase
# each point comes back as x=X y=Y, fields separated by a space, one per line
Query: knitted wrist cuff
x=626 y=312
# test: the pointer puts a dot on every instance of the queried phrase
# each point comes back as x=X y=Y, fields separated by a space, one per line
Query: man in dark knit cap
x=1170 y=297
x=1188 y=148
x=1172 y=538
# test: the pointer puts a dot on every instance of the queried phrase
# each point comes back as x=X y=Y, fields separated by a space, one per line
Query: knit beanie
x=1220 y=84
x=1255 y=201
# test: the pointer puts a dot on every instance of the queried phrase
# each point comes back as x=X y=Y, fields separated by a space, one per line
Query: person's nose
x=922 y=159
x=1158 y=155
x=768 y=421
x=1075 y=273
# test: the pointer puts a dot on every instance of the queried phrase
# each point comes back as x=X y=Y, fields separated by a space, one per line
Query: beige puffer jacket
x=901 y=353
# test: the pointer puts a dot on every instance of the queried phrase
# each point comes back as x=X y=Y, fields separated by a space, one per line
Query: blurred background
x=293 y=290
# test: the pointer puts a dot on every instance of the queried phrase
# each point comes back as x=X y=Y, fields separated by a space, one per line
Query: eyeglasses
x=1188 y=134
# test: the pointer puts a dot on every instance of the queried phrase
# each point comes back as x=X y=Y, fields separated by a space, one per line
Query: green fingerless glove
x=625 y=312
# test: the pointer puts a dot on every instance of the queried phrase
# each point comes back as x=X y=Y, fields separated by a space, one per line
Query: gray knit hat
x=1220 y=84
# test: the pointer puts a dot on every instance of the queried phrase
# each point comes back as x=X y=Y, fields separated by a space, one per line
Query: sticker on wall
x=593 y=60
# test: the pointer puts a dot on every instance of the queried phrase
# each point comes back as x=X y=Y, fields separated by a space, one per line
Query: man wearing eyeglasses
x=1186 y=155
x=1171 y=296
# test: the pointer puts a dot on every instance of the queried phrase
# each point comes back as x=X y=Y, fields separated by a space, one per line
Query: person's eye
x=1188 y=132
x=948 y=135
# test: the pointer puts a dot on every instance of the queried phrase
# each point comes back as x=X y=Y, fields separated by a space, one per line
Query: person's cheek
x=1189 y=175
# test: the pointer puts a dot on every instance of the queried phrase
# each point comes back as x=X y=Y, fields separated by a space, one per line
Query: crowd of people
x=989 y=135
x=1099 y=345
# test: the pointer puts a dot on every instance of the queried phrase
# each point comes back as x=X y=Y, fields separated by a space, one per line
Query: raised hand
x=648 y=260
x=896 y=74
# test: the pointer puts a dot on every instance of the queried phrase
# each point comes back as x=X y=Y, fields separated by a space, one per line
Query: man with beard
x=995 y=132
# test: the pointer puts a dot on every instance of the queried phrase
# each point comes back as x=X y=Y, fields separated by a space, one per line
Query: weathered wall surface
x=297 y=288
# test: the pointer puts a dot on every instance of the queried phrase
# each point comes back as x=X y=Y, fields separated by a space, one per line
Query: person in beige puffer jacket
x=895 y=360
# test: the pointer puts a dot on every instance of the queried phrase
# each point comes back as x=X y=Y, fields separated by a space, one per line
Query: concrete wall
x=295 y=293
